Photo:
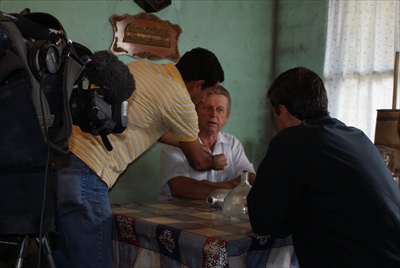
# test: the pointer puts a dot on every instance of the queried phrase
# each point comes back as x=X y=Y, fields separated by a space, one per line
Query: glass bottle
x=234 y=202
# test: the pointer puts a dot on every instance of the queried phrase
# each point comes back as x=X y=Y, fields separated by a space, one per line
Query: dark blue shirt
x=328 y=186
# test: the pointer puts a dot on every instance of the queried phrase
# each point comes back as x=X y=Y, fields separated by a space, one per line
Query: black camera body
x=94 y=115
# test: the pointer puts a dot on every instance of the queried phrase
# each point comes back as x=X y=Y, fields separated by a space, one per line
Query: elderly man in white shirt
x=178 y=179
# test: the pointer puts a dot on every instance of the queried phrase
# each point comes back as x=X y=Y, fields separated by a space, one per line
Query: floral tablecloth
x=190 y=233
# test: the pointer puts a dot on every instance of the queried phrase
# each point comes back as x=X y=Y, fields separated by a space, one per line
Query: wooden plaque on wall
x=145 y=36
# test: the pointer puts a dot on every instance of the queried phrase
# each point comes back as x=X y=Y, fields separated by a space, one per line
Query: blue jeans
x=84 y=216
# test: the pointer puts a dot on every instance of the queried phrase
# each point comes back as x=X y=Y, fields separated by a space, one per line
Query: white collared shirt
x=173 y=163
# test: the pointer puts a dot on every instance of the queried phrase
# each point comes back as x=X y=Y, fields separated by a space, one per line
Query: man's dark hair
x=200 y=64
x=301 y=91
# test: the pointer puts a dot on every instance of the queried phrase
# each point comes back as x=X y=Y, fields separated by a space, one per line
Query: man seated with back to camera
x=178 y=179
x=324 y=183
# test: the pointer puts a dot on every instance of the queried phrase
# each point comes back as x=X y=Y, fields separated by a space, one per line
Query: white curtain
x=362 y=39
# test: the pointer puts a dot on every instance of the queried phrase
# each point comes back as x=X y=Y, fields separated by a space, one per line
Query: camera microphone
x=111 y=75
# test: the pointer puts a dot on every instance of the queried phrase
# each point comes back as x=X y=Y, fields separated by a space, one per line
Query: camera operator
x=161 y=108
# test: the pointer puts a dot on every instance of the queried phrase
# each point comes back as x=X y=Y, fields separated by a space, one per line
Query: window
x=362 y=40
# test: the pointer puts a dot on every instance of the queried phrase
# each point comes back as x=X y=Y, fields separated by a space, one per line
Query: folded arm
x=190 y=188
x=199 y=158
x=185 y=187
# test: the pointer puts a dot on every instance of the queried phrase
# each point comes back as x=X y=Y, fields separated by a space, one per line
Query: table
x=190 y=233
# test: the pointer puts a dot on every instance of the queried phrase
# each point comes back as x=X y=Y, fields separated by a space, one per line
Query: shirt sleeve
x=182 y=119
x=172 y=163
x=239 y=158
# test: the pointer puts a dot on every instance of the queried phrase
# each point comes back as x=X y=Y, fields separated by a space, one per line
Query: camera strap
x=100 y=116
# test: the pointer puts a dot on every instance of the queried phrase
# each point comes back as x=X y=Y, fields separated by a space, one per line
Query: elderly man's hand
x=219 y=161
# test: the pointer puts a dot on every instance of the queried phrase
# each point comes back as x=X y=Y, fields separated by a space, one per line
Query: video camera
x=94 y=115
x=101 y=110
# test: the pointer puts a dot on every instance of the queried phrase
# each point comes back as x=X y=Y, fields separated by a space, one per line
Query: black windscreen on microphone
x=105 y=70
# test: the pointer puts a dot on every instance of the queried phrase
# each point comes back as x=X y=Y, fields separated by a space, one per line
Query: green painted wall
x=254 y=40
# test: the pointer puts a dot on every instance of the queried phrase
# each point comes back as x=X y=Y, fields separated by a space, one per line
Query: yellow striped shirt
x=159 y=103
